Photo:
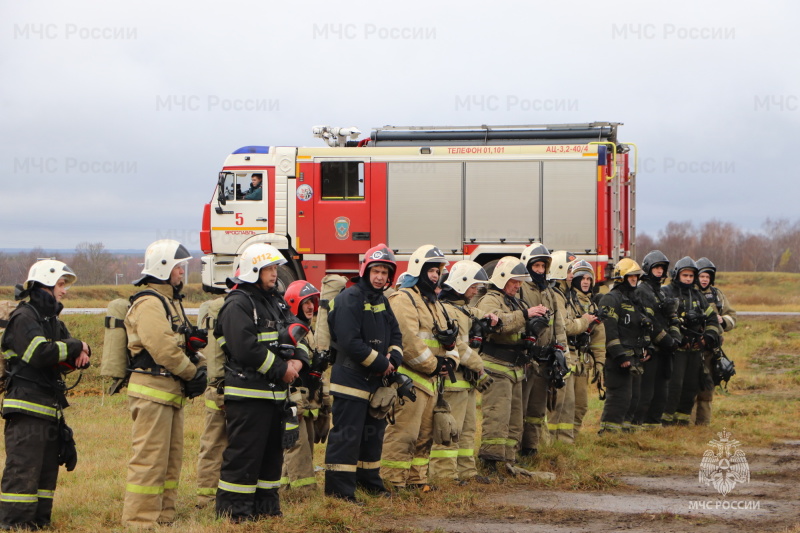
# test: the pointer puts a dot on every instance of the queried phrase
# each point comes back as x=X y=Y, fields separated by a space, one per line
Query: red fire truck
x=477 y=193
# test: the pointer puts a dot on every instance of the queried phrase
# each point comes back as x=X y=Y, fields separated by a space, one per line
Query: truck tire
x=285 y=277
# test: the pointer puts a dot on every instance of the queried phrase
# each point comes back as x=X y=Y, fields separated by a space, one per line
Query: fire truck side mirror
x=221 y=188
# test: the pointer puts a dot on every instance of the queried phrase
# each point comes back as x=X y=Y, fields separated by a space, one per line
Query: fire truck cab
x=477 y=193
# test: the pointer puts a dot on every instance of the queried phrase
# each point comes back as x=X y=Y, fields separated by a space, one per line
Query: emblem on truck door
x=342 y=225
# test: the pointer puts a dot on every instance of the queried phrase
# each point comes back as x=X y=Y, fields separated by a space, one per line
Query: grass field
x=761 y=409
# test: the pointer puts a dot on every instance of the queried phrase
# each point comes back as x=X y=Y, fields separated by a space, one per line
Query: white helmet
x=253 y=259
x=48 y=272
x=161 y=257
x=464 y=275
x=427 y=253
x=509 y=267
x=559 y=265
x=536 y=252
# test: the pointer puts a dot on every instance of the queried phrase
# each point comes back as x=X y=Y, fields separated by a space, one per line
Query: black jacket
x=699 y=320
x=255 y=367
x=666 y=334
x=362 y=325
x=625 y=323
x=35 y=343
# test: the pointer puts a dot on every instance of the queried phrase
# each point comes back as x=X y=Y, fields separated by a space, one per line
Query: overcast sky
x=117 y=116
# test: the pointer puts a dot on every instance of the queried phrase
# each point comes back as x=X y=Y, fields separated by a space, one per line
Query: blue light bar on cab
x=252 y=150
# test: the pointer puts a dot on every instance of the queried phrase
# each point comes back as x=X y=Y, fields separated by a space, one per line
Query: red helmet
x=376 y=255
x=299 y=291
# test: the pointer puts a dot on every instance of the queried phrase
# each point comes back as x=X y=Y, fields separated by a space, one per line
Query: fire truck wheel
x=285 y=277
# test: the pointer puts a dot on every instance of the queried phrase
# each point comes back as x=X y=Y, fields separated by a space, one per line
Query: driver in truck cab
x=255 y=191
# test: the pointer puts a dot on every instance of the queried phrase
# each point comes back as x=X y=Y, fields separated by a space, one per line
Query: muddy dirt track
x=770 y=501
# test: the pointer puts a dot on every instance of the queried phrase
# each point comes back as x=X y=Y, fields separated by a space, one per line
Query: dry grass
x=99 y=295
x=761 y=291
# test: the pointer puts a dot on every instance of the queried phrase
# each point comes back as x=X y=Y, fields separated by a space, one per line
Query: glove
x=299 y=397
x=322 y=425
x=197 y=385
x=445 y=428
x=197 y=339
x=291 y=432
x=382 y=402
x=598 y=372
x=483 y=382
x=67 y=453
x=710 y=340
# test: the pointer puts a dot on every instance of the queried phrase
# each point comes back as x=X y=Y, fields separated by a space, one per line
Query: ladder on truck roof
x=494 y=135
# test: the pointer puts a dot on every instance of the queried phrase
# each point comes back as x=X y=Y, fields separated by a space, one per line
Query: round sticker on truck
x=305 y=192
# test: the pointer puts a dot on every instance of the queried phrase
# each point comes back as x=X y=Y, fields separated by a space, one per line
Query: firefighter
x=260 y=339
x=38 y=348
x=700 y=331
x=726 y=317
x=430 y=348
x=665 y=337
x=561 y=418
x=306 y=392
x=369 y=347
x=332 y=285
x=505 y=358
x=590 y=345
x=627 y=336
x=538 y=293
x=457 y=460
x=213 y=439
x=166 y=369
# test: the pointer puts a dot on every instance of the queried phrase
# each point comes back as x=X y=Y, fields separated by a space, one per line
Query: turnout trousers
x=298 y=461
x=251 y=463
x=407 y=443
x=683 y=386
x=212 y=444
x=355 y=444
x=653 y=391
x=534 y=400
x=561 y=420
x=581 y=399
x=619 y=385
x=31 y=472
x=502 y=426
x=457 y=461
x=155 y=467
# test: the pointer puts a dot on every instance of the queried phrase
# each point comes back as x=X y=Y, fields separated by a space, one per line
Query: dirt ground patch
x=768 y=502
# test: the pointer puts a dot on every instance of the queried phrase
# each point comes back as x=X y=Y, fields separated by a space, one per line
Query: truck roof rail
x=494 y=135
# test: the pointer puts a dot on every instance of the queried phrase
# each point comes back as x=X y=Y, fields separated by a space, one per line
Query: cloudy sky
x=117 y=116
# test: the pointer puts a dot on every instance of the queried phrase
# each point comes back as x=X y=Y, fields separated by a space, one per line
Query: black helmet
x=655 y=258
x=683 y=264
x=704 y=264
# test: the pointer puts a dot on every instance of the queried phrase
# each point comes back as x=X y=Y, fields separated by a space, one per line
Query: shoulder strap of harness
x=150 y=292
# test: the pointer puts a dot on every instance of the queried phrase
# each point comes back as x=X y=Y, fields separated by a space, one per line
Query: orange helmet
x=298 y=292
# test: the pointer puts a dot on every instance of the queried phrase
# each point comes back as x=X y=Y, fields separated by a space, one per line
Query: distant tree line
x=93 y=264
x=774 y=249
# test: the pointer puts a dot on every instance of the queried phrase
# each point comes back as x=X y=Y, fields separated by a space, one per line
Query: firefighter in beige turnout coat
x=407 y=443
x=536 y=292
x=504 y=358
x=561 y=419
x=592 y=358
x=213 y=439
x=155 y=393
x=457 y=460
